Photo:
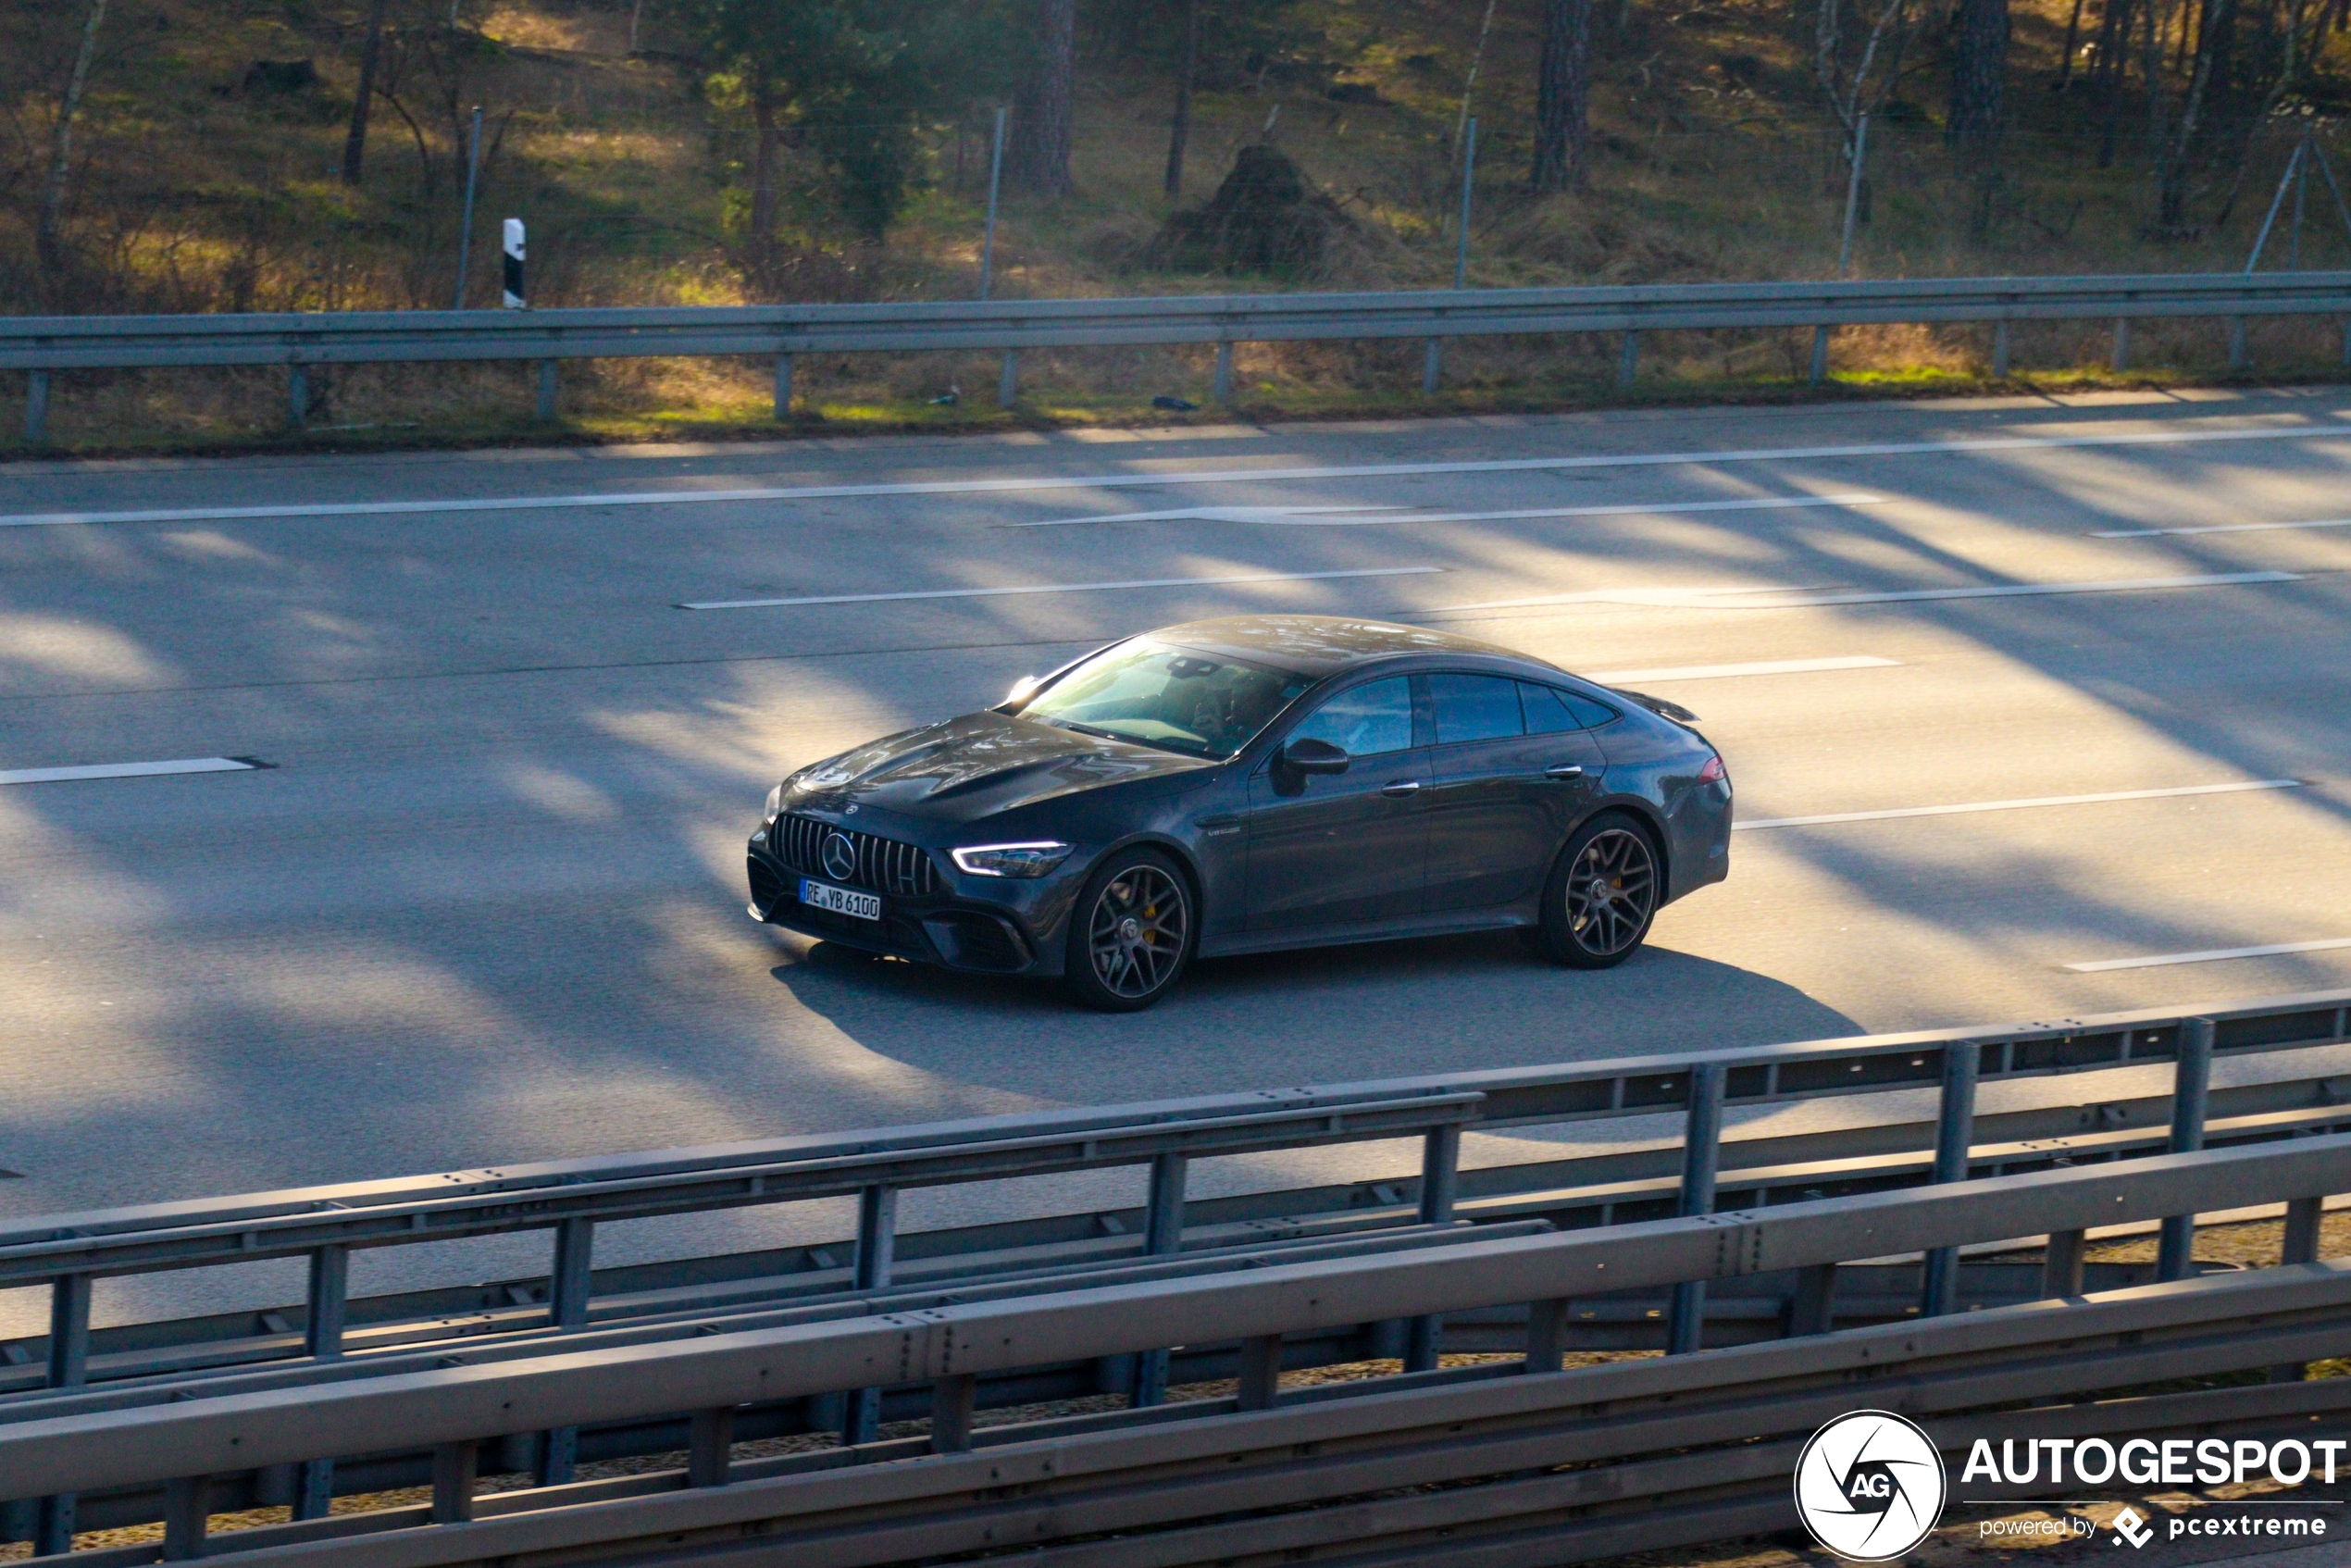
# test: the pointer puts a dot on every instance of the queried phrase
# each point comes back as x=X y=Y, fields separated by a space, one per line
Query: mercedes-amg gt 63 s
x=1247 y=784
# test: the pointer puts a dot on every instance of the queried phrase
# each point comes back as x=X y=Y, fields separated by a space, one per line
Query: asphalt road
x=485 y=903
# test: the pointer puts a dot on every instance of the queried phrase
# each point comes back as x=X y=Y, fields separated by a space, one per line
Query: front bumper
x=943 y=930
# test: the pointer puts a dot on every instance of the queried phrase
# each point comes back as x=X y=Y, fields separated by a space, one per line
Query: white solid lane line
x=1055 y=588
x=1367 y=517
x=1803 y=598
x=2209 y=955
x=126 y=770
x=2221 y=528
x=1041 y=483
x=2017 y=805
x=1721 y=672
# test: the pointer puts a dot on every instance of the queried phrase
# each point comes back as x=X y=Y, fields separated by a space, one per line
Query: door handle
x=1572 y=770
x=1405 y=787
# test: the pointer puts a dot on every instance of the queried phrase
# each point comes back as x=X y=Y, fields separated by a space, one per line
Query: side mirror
x=1314 y=756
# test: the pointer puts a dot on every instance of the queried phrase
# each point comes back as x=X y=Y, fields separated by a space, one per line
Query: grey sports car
x=1247 y=784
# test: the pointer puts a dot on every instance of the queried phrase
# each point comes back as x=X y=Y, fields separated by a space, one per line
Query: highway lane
x=485 y=903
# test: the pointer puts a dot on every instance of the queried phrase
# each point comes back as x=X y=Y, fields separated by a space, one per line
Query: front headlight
x=774 y=802
x=1012 y=860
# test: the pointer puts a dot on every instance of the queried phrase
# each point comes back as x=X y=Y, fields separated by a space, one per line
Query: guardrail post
x=1701 y=1154
x=68 y=1368
x=1162 y=1236
x=322 y=1340
x=2191 y=1092
x=1628 y=359
x=547 y=368
x=1546 y=1334
x=877 y=1248
x=187 y=1509
x=2346 y=340
x=2302 y=1219
x=1954 y=1136
x=1440 y=1180
x=453 y=1483
x=952 y=1402
x=1431 y=366
x=709 y=1436
x=2122 y=344
x=1820 y=355
x=1261 y=1372
x=297 y=399
x=36 y=406
x=783 y=386
x=568 y=1289
x=2236 y=342
x=1223 y=384
x=1812 y=1309
x=2000 y=351
x=1008 y=380
x=2061 y=1264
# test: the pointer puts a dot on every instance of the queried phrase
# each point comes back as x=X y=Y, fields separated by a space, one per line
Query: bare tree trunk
x=1979 y=80
x=1563 y=89
x=354 y=144
x=2072 y=36
x=763 y=173
x=2176 y=155
x=1179 y=128
x=53 y=196
x=1040 y=149
x=2108 y=72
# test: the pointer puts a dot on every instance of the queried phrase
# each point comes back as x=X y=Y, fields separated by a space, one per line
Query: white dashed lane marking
x=127 y=770
x=1968 y=806
x=2209 y=955
x=1055 y=588
x=1724 y=672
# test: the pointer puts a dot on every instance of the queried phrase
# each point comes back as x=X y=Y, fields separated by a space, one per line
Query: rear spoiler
x=1659 y=705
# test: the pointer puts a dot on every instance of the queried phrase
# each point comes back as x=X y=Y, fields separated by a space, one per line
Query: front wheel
x=1602 y=894
x=1130 y=934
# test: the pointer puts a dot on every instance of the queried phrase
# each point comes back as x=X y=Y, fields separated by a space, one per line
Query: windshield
x=1168 y=697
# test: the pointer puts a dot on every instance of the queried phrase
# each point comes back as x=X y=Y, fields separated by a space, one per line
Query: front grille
x=883 y=866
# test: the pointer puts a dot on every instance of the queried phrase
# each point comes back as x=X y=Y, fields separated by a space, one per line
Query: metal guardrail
x=43 y=345
x=1385 y=1462
x=570 y=1197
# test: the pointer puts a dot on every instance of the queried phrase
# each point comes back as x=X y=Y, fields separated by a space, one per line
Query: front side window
x=1364 y=721
x=1168 y=697
x=1475 y=707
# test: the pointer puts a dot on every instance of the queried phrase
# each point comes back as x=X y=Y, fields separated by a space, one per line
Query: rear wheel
x=1131 y=933
x=1602 y=894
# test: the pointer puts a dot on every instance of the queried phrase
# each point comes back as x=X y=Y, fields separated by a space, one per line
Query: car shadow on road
x=1330 y=1014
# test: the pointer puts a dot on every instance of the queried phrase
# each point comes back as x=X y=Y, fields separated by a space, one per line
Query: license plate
x=840 y=901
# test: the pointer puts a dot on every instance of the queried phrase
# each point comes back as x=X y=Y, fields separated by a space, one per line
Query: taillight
x=1713 y=772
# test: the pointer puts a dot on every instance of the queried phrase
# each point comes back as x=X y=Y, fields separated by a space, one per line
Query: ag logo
x=1870 y=1486
x=839 y=856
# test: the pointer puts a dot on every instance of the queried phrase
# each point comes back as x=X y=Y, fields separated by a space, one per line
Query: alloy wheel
x=1137 y=932
x=1611 y=892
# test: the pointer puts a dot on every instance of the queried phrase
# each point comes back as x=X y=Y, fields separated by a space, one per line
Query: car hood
x=978 y=764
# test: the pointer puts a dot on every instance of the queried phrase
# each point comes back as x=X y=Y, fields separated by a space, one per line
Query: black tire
x=1602 y=894
x=1131 y=932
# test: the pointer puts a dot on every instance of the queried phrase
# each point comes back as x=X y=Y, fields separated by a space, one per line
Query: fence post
x=783 y=386
x=1701 y=1154
x=877 y=1250
x=2303 y=1216
x=1008 y=380
x=465 y=218
x=995 y=182
x=453 y=1466
x=1433 y=363
x=2191 y=1091
x=1224 y=383
x=512 y=294
x=568 y=1289
x=1954 y=1135
x=1820 y=354
x=1440 y=1180
x=1628 y=359
x=68 y=1368
x=36 y=408
x=2122 y=344
x=1162 y=1236
x=187 y=1509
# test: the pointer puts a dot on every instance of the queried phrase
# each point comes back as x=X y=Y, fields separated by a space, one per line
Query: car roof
x=1316 y=646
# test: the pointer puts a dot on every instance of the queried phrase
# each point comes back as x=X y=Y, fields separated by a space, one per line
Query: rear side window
x=1364 y=721
x=1550 y=710
x=1475 y=707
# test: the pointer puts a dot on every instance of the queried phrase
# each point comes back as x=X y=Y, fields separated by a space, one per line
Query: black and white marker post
x=517 y=298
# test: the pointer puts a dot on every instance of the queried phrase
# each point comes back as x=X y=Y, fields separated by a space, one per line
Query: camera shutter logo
x=1870 y=1486
x=839 y=856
